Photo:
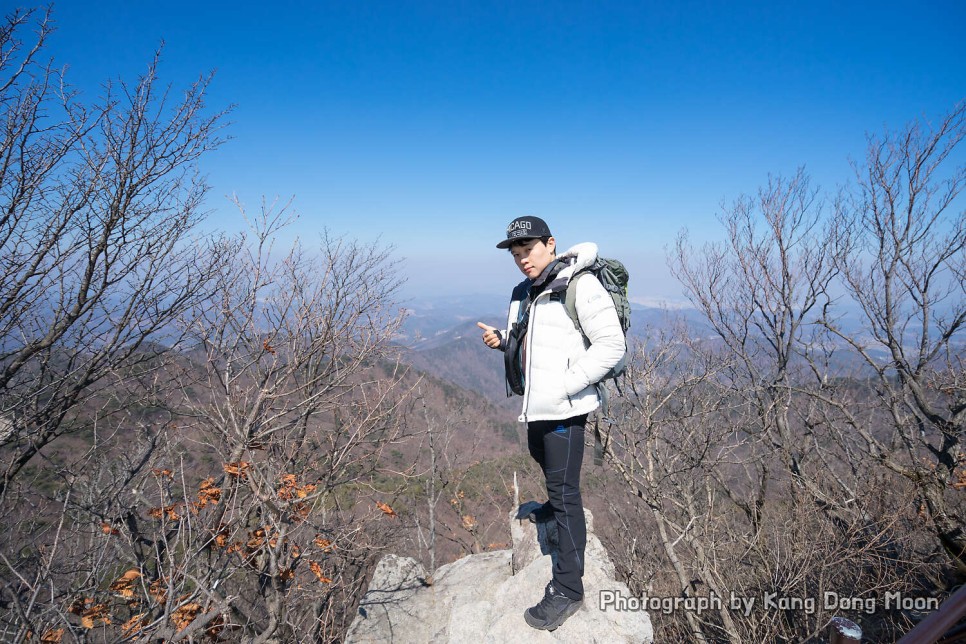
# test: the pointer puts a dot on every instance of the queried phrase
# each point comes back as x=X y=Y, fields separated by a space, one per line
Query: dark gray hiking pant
x=558 y=446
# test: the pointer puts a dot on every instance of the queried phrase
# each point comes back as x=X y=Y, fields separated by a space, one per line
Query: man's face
x=532 y=256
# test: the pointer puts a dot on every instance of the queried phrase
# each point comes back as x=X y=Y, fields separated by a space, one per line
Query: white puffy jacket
x=560 y=370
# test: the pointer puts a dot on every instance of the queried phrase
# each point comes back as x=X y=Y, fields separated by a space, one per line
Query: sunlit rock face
x=482 y=598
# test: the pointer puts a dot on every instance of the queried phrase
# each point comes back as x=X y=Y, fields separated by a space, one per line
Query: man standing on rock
x=555 y=365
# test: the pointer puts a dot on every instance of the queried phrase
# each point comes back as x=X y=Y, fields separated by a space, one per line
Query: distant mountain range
x=433 y=323
x=440 y=337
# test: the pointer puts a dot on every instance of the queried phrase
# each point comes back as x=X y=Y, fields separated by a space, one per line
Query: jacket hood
x=579 y=257
x=573 y=260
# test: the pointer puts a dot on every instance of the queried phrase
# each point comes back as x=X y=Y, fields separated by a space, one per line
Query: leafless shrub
x=710 y=511
x=100 y=258
x=763 y=461
x=900 y=247
x=193 y=431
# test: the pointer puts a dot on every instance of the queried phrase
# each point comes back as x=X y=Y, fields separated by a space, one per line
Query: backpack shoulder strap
x=570 y=299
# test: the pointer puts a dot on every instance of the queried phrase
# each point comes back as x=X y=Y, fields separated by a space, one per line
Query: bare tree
x=707 y=511
x=754 y=455
x=901 y=250
x=665 y=446
x=210 y=416
x=300 y=398
x=760 y=291
x=96 y=219
x=100 y=258
x=438 y=436
x=249 y=501
x=448 y=468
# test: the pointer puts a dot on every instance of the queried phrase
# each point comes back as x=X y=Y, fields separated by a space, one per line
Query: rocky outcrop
x=481 y=598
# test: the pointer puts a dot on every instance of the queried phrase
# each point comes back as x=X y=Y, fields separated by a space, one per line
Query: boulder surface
x=482 y=598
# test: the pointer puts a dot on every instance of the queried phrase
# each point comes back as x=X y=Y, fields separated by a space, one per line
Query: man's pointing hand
x=491 y=337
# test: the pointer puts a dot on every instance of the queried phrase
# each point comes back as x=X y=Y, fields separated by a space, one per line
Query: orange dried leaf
x=469 y=522
x=386 y=509
x=167 y=511
x=158 y=591
x=286 y=574
x=133 y=625
x=238 y=468
x=301 y=511
x=287 y=487
x=166 y=473
x=94 y=614
x=306 y=490
x=317 y=571
x=183 y=616
x=325 y=544
x=79 y=605
x=124 y=586
x=107 y=528
x=52 y=635
x=257 y=539
x=208 y=493
x=267 y=347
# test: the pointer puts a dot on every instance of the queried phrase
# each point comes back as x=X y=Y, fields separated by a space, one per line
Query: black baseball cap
x=523 y=228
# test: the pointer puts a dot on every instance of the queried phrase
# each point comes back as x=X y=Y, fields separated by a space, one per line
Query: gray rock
x=479 y=598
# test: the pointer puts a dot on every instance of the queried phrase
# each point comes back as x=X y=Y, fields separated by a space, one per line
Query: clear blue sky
x=433 y=124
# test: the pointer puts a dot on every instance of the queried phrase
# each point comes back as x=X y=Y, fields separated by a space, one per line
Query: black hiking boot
x=553 y=610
